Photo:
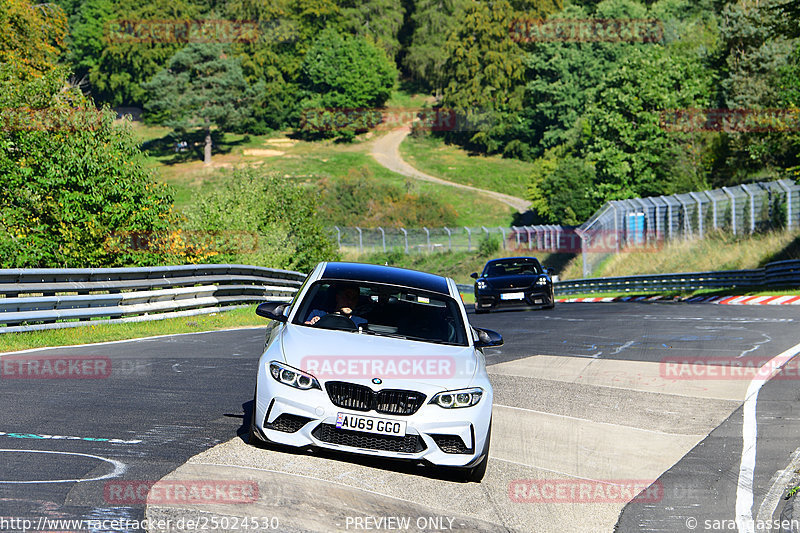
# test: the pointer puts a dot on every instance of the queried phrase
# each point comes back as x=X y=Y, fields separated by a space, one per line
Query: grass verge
x=431 y=155
x=242 y=317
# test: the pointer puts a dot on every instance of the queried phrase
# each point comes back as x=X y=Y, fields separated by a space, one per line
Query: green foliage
x=31 y=36
x=344 y=72
x=361 y=200
x=281 y=213
x=433 y=22
x=202 y=87
x=488 y=245
x=72 y=179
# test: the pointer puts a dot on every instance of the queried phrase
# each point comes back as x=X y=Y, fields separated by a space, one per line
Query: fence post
x=699 y=214
x=687 y=227
x=360 y=241
x=616 y=228
x=427 y=238
x=752 y=207
x=528 y=231
x=383 y=238
x=503 y=231
x=733 y=208
x=338 y=237
x=714 y=209
x=469 y=239
x=449 y=239
x=788 y=203
x=405 y=235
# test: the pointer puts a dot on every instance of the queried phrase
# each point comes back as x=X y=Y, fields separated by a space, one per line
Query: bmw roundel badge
x=377 y=381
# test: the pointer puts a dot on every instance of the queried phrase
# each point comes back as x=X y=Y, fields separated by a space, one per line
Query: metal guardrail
x=777 y=274
x=34 y=299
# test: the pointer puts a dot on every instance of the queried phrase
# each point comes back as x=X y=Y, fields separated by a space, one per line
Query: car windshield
x=513 y=267
x=384 y=310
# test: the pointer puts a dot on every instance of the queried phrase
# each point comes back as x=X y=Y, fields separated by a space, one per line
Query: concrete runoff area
x=531 y=451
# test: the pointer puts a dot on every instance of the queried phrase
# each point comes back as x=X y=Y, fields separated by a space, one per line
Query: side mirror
x=550 y=271
x=474 y=275
x=272 y=310
x=487 y=337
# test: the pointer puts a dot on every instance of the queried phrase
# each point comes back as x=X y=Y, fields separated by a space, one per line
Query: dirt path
x=386 y=151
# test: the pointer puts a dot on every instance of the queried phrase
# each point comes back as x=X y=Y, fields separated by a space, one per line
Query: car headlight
x=292 y=376
x=541 y=281
x=481 y=284
x=454 y=399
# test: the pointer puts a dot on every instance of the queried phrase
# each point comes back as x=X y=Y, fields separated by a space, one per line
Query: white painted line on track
x=127 y=340
x=602 y=423
x=744 y=487
x=119 y=468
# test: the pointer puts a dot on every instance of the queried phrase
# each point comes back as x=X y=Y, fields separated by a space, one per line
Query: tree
x=73 y=180
x=378 y=20
x=119 y=45
x=202 y=87
x=31 y=36
x=282 y=213
x=343 y=73
x=433 y=21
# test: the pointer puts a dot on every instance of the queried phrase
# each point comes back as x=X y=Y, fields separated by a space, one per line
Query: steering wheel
x=336 y=321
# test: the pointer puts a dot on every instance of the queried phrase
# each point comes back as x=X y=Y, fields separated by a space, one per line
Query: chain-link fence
x=617 y=226
x=417 y=240
x=643 y=222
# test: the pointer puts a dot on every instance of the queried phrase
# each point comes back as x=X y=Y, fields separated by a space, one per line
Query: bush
x=488 y=246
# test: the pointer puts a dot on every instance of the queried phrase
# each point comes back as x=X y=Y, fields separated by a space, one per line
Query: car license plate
x=368 y=424
x=512 y=296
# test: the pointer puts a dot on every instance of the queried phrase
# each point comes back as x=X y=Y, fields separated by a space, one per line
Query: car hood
x=331 y=355
x=519 y=281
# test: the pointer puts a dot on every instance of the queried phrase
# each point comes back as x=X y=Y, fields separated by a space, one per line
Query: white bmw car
x=378 y=361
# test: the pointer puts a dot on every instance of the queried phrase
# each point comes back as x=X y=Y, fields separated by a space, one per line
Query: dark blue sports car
x=513 y=282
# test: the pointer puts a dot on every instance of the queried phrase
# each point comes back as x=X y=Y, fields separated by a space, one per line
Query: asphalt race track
x=592 y=407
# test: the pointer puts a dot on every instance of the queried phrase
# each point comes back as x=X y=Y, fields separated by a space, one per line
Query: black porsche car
x=513 y=282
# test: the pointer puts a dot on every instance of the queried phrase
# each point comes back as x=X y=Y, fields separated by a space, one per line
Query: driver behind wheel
x=346 y=301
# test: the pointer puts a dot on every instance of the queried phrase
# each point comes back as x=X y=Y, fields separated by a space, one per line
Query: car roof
x=499 y=259
x=386 y=274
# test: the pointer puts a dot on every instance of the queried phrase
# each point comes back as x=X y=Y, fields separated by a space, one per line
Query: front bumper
x=307 y=418
x=534 y=298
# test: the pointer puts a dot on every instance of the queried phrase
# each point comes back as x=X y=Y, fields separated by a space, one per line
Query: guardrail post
x=360 y=241
x=405 y=235
x=503 y=231
x=383 y=238
x=733 y=208
x=469 y=239
x=427 y=238
x=449 y=239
